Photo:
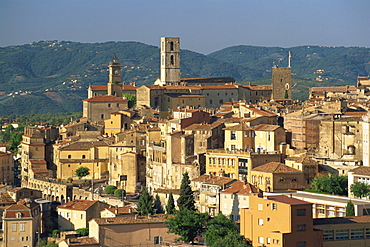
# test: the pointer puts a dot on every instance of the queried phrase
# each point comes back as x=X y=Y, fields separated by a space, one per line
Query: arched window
x=172 y=61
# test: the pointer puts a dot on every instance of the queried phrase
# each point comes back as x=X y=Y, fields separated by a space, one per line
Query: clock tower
x=115 y=83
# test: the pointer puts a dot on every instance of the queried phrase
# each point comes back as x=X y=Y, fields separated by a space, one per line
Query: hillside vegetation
x=52 y=76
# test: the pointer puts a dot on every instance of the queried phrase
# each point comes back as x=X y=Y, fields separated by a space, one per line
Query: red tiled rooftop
x=287 y=200
x=81 y=241
x=241 y=188
x=159 y=218
x=275 y=167
x=105 y=98
x=80 y=205
x=99 y=87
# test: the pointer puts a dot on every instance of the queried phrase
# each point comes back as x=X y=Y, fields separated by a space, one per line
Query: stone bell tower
x=115 y=83
x=170 y=61
x=281 y=82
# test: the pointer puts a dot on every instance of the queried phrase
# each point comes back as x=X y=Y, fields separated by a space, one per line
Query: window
x=357 y=233
x=367 y=232
x=232 y=147
x=301 y=227
x=172 y=60
x=82 y=216
x=14 y=227
x=260 y=222
x=76 y=216
x=210 y=101
x=328 y=235
x=233 y=135
x=301 y=212
x=301 y=244
x=260 y=207
x=157 y=240
x=108 y=105
x=12 y=238
x=341 y=234
x=21 y=227
x=268 y=240
x=321 y=211
x=68 y=215
x=21 y=239
x=83 y=156
x=102 y=116
x=273 y=206
x=261 y=240
x=28 y=238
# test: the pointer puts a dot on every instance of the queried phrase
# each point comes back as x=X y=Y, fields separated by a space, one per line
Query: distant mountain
x=52 y=76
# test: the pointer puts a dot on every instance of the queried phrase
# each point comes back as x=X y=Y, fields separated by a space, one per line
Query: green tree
x=118 y=193
x=131 y=99
x=15 y=140
x=350 y=209
x=83 y=231
x=333 y=184
x=233 y=239
x=188 y=224
x=170 y=208
x=109 y=189
x=360 y=189
x=186 y=199
x=145 y=203
x=82 y=172
x=218 y=228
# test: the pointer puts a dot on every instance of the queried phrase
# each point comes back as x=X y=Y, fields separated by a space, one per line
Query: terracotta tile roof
x=260 y=112
x=287 y=200
x=361 y=170
x=99 y=87
x=241 y=188
x=239 y=127
x=122 y=210
x=301 y=159
x=80 y=241
x=341 y=89
x=218 y=87
x=77 y=146
x=266 y=127
x=275 y=167
x=32 y=161
x=159 y=218
x=80 y=205
x=194 y=87
x=342 y=220
x=129 y=87
x=40 y=170
x=12 y=210
x=105 y=98
x=6 y=199
x=207 y=179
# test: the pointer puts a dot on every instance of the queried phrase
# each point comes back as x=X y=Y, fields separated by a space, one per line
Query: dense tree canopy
x=186 y=199
x=110 y=189
x=360 y=189
x=188 y=224
x=145 y=204
x=334 y=184
x=82 y=172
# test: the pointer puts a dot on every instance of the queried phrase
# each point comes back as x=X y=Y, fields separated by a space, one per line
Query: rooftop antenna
x=289 y=57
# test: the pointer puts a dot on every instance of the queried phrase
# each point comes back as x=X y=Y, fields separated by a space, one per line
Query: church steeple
x=115 y=83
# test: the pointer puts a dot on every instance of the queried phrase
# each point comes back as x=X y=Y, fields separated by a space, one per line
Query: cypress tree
x=170 y=208
x=186 y=199
x=350 y=209
x=145 y=203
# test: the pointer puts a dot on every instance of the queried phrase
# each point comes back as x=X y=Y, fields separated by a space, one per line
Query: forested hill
x=52 y=76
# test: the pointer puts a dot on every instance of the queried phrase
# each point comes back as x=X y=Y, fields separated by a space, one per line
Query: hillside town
x=249 y=152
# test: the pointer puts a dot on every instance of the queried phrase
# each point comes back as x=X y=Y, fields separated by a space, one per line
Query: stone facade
x=281 y=82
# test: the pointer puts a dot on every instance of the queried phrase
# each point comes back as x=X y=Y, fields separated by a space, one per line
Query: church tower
x=115 y=83
x=170 y=61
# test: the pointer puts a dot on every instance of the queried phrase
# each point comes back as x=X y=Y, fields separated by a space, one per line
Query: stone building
x=281 y=82
x=6 y=167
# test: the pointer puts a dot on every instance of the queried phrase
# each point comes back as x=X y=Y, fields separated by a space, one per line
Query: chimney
x=136 y=216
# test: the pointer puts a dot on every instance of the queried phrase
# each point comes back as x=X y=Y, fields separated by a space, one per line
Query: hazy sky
x=203 y=25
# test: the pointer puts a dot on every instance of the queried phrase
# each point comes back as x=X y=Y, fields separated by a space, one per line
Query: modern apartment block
x=279 y=221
